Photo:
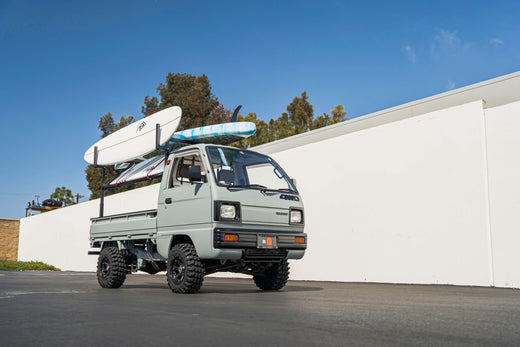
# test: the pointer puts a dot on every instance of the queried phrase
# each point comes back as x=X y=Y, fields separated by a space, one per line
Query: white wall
x=402 y=202
x=432 y=198
x=61 y=237
x=503 y=148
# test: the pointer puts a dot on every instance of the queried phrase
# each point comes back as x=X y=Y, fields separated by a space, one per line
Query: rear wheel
x=185 y=272
x=111 y=268
x=274 y=277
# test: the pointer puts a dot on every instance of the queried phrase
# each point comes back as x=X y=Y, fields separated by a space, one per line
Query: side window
x=180 y=171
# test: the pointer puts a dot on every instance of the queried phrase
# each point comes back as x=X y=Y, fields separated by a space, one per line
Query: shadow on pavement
x=224 y=288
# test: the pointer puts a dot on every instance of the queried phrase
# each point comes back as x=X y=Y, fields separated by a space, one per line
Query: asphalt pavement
x=70 y=309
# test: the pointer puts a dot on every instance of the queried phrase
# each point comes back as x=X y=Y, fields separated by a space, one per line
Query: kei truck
x=219 y=208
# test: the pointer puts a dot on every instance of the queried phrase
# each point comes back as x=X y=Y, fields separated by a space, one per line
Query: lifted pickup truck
x=219 y=209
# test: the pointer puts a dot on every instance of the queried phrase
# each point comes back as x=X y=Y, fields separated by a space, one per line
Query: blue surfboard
x=220 y=134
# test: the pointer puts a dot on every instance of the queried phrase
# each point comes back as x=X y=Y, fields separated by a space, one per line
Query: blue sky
x=64 y=64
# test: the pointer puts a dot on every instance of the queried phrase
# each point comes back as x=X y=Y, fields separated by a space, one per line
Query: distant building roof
x=497 y=91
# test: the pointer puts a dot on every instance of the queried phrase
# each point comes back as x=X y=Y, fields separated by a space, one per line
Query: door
x=185 y=207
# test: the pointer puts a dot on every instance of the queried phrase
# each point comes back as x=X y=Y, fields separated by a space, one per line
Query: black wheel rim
x=105 y=268
x=177 y=271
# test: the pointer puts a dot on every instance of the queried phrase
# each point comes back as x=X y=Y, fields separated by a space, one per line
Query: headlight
x=296 y=217
x=228 y=211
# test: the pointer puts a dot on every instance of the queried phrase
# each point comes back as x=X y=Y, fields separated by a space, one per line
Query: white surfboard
x=149 y=169
x=136 y=139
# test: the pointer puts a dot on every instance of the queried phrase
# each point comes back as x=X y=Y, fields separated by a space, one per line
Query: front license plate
x=265 y=241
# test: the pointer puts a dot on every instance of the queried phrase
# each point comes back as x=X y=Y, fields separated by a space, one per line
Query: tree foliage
x=193 y=94
x=260 y=136
x=338 y=115
x=298 y=119
x=300 y=114
x=64 y=195
x=107 y=126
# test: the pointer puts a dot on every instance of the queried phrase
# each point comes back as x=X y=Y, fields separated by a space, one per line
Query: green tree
x=281 y=128
x=338 y=115
x=259 y=137
x=298 y=119
x=193 y=94
x=107 y=126
x=300 y=114
x=64 y=195
x=320 y=122
x=218 y=115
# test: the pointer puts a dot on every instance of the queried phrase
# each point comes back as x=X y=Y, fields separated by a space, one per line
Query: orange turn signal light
x=299 y=239
x=231 y=237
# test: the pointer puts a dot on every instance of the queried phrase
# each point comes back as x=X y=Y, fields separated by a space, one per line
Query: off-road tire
x=185 y=272
x=274 y=277
x=111 y=268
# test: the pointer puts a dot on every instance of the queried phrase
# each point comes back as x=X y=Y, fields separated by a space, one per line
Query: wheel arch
x=177 y=239
x=105 y=244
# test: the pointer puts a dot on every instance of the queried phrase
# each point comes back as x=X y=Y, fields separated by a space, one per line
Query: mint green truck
x=219 y=208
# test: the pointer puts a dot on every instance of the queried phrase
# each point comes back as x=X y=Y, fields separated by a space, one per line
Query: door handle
x=168 y=200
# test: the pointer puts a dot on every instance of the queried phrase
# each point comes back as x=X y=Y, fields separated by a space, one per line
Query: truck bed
x=125 y=226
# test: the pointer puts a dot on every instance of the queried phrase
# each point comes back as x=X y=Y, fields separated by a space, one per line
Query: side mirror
x=122 y=166
x=293 y=181
x=194 y=174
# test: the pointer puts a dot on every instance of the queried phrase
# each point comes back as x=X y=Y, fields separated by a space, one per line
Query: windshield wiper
x=253 y=186
x=261 y=188
x=286 y=190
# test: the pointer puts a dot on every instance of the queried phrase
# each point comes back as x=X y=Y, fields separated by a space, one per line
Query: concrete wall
x=61 y=237
x=402 y=202
x=9 y=231
x=503 y=149
x=432 y=198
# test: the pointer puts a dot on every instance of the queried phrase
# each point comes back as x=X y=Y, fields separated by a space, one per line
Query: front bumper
x=249 y=239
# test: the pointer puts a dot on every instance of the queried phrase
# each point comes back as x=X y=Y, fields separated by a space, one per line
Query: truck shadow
x=223 y=289
x=226 y=288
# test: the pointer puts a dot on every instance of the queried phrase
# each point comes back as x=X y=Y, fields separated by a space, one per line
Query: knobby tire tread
x=274 y=278
x=118 y=268
x=194 y=274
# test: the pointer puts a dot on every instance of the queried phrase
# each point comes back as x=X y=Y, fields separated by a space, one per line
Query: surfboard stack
x=142 y=137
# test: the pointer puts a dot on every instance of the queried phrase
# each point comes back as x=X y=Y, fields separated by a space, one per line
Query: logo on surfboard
x=140 y=127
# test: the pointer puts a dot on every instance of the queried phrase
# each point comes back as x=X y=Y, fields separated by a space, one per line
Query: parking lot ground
x=60 y=309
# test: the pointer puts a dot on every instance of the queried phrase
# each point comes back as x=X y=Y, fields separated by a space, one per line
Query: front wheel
x=274 y=277
x=111 y=268
x=185 y=272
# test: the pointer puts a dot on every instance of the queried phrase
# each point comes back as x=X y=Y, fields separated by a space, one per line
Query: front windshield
x=241 y=168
